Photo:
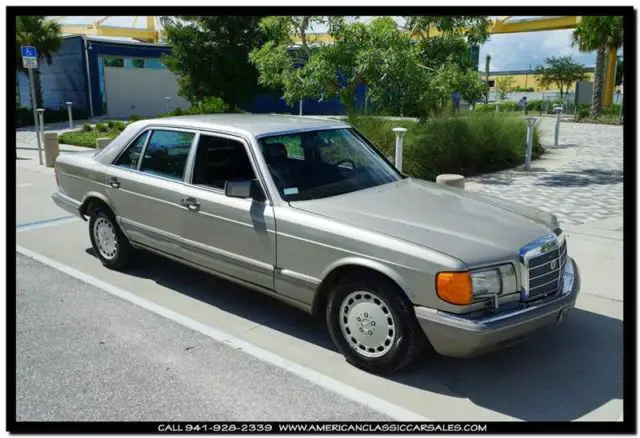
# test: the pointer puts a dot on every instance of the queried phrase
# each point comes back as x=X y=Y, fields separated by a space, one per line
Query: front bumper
x=457 y=336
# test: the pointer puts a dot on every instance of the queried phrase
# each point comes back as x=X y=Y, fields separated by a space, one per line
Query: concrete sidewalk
x=581 y=180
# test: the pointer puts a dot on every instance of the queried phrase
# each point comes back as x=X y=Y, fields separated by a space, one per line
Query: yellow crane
x=499 y=25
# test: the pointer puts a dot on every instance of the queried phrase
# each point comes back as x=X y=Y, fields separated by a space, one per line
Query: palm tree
x=599 y=34
x=45 y=35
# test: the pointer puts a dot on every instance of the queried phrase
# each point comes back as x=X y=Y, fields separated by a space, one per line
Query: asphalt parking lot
x=289 y=370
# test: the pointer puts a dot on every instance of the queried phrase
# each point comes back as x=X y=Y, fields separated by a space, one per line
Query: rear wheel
x=373 y=324
x=108 y=241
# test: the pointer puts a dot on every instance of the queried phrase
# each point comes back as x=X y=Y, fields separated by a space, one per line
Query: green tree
x=296 y=62
x=404 y=75
x=209 y=55
x=45 y=35
x=598 y=33
x=504 y=85
x=560 y=71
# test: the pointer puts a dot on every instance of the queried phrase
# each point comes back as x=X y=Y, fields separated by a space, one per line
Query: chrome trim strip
x=297 y=277
x=210 y=251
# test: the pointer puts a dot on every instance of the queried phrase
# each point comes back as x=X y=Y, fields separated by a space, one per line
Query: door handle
x=114 y=182
x=191 y=203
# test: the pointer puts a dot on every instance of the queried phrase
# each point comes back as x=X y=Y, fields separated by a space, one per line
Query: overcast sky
x=508 y=51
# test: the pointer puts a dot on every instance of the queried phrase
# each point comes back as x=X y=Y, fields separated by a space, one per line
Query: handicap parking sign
x=29 y=52
x=29 y=57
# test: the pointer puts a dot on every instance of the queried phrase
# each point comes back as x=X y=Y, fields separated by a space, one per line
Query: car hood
x=473 y=228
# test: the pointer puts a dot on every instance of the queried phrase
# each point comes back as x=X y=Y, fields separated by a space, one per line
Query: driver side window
x=220 y=159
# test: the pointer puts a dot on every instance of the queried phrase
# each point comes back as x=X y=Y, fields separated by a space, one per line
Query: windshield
x=317 y=164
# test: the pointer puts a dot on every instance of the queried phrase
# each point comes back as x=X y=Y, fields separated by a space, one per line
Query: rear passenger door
x=145 y=185
x=233 y=236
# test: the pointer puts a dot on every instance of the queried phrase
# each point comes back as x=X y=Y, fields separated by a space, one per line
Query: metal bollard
x=51 y=148
x=41 y=133
x=558 y=110
x=70 y=115
x=168 y=103
x=300 y=108
x=531 y=123
x=399 y=145
x=497 y=107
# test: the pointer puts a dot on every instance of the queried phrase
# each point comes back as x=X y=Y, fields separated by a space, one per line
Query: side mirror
x=249 y=188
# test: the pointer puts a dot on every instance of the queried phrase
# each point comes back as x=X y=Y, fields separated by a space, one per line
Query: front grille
x=545 y=272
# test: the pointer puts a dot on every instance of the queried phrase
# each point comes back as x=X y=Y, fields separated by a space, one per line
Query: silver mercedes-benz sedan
x=310 y=212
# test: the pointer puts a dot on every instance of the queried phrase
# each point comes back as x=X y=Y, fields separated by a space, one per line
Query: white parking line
x=46 y=223
x=20 y=186
x=384 y=407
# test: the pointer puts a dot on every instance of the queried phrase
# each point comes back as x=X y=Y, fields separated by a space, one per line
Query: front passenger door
x=233 y=236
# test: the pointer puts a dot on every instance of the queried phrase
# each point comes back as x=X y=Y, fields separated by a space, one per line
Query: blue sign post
x=30 y=61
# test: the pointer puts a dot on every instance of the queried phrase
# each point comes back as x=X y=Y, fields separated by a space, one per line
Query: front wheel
x=373 y=325
x=108 y=241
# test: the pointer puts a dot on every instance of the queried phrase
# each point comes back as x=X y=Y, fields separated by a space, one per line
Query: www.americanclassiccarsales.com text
x=292 y=427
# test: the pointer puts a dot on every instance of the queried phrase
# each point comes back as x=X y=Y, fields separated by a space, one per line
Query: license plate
x=562 y=313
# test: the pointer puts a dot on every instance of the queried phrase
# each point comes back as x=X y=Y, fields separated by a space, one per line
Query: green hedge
x=467 y=144
x=88 y=135
x=491 y=107
x=24 y=116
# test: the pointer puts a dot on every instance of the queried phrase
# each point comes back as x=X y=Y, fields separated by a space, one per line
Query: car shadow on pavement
x=581 y=178
x=560 y=374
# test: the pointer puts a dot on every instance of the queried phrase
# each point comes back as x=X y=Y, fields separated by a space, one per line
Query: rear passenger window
x=131 y=156
x=166 y=153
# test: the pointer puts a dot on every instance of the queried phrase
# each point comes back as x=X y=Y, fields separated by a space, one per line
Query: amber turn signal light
x=454 y=287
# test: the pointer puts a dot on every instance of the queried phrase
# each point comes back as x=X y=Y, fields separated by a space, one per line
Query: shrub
x=111 y=124
x=119 y=125
x=101 y=127
x=535 y=105
x=491 y=107
x=87 y=127
x=466 y=145
x=209 y=105
x=583 y=112
x=134 y=118
x=611 y=110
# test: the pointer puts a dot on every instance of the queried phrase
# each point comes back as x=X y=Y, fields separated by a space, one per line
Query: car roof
x=257 y=125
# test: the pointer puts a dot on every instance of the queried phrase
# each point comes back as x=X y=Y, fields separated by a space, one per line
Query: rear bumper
x=456 y=336
x=68 y=204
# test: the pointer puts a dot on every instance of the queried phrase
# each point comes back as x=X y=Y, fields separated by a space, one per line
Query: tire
x=109 y=242
x=395 y=345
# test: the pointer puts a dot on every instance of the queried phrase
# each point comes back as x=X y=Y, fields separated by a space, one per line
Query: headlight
x=465 y=287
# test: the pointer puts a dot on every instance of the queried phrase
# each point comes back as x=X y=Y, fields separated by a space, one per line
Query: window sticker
x=291 y=191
